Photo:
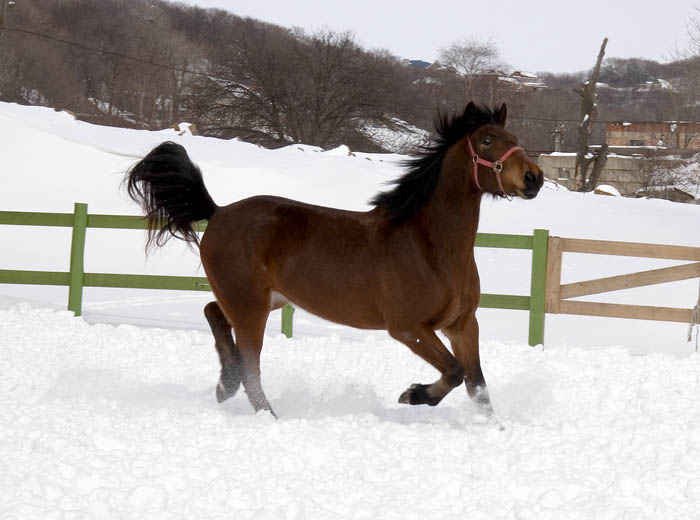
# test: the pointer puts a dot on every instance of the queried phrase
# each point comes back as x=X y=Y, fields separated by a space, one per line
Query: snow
x=397 y=135
x=665 y=84
x=608 y=190
x=101 y=421
x=112 y=415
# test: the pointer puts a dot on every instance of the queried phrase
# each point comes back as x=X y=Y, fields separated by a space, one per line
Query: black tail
x=171 y=191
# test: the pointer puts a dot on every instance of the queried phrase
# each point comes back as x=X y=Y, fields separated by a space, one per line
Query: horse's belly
x=343 y=308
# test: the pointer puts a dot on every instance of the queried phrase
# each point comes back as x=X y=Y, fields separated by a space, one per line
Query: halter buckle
x=475 y=158
x=497 y=166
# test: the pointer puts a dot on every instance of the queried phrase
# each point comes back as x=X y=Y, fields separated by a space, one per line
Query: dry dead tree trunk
x=589 y=109
x=598 y=164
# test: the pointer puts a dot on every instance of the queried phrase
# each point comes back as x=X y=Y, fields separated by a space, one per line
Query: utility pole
x=558 y=134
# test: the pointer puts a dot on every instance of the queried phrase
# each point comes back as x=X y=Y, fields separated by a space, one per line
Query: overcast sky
x=532 y=35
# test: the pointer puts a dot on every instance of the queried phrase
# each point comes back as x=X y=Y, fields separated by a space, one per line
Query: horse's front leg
x=464 y=338
x=424 y=342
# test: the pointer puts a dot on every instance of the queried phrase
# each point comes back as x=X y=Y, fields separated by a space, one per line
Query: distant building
x=418 y=64
x=517 y=80
x=528 y=80
x=680 y=135
x=631 y=175
x=626 y=173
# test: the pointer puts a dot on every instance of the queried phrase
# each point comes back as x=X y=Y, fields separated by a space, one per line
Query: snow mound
x=606 y=189
x=339 y=151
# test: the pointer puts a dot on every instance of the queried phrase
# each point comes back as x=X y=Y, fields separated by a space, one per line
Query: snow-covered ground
x=104 y=416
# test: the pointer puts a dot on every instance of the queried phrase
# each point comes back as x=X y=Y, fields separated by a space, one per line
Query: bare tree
x=589 y=110
x=472 y=60
x=663 y=176
x=693 y=29
x=274 y=84
x=686 y=70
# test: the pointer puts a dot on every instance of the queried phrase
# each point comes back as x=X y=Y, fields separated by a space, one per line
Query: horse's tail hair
x=171 y=191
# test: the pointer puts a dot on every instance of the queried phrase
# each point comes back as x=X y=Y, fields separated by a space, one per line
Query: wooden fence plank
x=138 y=281
x=77 y=255
x=604 y=247
x=504 y=301
x=629 y=281
x=34 y=277
x=554 y=258
x=615 y=310
x=117 y=222
x=540 y=240
x=126 y=222
x=288 y=320
x=503 y=241
x=30 y=218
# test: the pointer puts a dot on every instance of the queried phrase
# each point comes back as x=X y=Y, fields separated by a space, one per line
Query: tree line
x=152 y=64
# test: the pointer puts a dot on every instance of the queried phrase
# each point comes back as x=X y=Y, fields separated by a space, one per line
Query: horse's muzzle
x=533 y=183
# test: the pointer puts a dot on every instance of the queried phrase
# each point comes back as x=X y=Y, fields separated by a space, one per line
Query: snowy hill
x=52 y=161
x=105 y=419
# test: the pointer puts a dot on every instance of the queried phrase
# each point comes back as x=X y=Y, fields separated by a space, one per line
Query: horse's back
x=282 y=225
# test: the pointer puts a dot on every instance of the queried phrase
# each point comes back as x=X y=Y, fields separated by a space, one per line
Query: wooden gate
x=557 y=296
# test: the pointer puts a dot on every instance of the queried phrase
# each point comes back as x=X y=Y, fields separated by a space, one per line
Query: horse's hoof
x=222 y=393
x=229 y=383
x=480 y=396
x=418 y=394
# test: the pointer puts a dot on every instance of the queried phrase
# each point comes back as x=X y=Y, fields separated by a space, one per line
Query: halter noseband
x=497 y=165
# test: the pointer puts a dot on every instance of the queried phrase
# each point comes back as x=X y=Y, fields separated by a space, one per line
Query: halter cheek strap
x=497 y=165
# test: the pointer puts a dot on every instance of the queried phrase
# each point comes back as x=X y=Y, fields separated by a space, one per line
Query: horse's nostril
x=530 y=179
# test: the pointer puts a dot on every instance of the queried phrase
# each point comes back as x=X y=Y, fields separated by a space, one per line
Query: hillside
x=152 y=64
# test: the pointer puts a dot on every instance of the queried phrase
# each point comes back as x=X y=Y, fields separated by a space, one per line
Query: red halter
x=497 y=165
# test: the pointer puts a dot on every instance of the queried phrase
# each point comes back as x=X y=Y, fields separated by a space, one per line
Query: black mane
x=413 y=189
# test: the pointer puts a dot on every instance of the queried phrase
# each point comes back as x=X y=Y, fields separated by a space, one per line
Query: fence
x=77 y=278
x=557 y=295
x=547 y=294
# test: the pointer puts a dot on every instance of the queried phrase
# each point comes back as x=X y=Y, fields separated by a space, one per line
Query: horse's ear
x=502 y=115
x=471 y=112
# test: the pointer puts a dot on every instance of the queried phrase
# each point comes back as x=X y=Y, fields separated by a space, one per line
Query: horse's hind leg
x=249 y=317
x=229 y=355
x=424 y=342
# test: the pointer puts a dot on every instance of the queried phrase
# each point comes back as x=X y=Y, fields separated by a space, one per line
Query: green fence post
x=540 y=240
x=287 y=320
x=77 y=255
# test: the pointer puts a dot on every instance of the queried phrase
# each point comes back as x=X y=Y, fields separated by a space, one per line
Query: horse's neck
x=451 y=216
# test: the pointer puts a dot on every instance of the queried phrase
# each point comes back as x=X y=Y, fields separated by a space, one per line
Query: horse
x=405 y=266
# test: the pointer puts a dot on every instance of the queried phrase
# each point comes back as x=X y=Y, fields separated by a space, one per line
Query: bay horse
x=406 y=266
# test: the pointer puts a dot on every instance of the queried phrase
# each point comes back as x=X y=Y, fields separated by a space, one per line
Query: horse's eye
x=486 y=141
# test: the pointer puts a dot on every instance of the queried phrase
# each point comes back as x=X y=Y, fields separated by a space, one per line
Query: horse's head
x=498 y=165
